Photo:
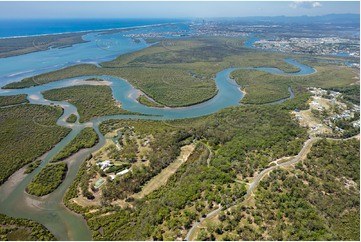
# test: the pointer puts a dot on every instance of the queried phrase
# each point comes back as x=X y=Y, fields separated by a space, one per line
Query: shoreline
x=88 y=31
x=21 y=45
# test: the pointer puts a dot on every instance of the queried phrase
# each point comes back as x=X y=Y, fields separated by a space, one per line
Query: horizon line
x=180 y=18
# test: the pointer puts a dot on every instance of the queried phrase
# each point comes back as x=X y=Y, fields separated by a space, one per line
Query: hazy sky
x=172 y=9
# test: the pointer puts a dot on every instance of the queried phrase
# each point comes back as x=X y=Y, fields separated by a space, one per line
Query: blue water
x=101 y=47
x=303 y=69
x=18 y=67
x=249 y=43
x=228 y=94
x=64 y=224
x=27 y=27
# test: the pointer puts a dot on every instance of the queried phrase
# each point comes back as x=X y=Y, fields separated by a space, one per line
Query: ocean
x=30 y=27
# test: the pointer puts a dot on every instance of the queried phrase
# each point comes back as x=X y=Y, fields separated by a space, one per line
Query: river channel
x=49 y=210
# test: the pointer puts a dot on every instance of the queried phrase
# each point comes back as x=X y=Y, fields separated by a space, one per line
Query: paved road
x=301 y=155
x=195 y=225
x=306 y=148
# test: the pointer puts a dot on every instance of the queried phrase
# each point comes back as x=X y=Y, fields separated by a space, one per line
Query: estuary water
x=99 y=48
x=49 y=210
x=32 y=27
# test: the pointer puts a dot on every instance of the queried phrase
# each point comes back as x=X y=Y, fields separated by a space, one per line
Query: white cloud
x=305 y=4
x=316 y=4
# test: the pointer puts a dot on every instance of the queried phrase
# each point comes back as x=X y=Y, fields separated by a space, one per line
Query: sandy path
x=162 y=178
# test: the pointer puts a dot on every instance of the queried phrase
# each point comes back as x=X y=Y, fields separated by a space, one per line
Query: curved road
x=63 y=223
x=301 y=155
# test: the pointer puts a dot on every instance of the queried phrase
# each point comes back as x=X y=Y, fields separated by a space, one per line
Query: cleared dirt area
x=308 y=120
x=84 y=202
x=161 y=179
x=122 y=203
x=102 y=154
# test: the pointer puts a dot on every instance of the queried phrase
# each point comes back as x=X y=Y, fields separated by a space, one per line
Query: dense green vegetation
x=218 y=129
x=26 y=132
x=171 y=87
x=94 y=79
x=13 y=99
x=349 y=93
x=166 y=148
x=32 y=166
x=116 y=169
x=348 y=129
x=72 y=192
x=262 y=87
x=85 y=139
x=319 y=200
x=251 y=137
x=173 y=207
x=24 y=45
x=48 y=179
x=173 y=72
x=179 y=72
x=19 y=229
x=72 y=118
x=20 y=46
x=77 y=70
x=147 y=102
x=244 y=140
x=91 y=101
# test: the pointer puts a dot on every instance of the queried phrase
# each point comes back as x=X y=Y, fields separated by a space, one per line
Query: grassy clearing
x=12 y=100
x=48 y=179
x=91 y=101
x=169 y=207
x=85 y=139
x=162 y=178
x=27 y=131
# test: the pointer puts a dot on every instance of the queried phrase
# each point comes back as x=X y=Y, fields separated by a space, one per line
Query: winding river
x=49 y=210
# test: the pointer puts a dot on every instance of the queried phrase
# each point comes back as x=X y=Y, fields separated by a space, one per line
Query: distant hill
x=335 y=19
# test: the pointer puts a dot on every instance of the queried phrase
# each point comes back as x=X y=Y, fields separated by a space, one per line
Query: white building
x=104 y=164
